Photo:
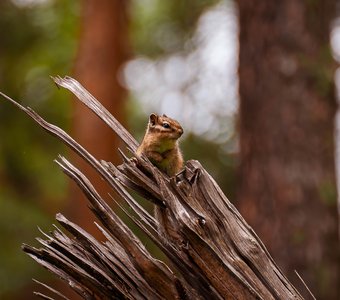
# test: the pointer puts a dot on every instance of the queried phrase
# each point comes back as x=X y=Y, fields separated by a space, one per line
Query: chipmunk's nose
x=181 y=131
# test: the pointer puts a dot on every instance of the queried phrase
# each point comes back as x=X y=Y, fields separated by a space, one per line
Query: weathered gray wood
x=212 y=252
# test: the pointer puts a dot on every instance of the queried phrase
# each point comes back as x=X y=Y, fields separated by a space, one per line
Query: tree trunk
x=102 y=51
x=287 y=183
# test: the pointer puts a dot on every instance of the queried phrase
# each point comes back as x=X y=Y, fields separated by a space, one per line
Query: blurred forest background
x=252 y=85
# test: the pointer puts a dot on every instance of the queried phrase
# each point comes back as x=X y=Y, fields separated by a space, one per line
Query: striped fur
x=160 y=144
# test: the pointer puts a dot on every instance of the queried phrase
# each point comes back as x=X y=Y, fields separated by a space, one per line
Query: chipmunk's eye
x=166 y=125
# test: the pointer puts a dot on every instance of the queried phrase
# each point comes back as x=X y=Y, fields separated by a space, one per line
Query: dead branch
x=212 y=252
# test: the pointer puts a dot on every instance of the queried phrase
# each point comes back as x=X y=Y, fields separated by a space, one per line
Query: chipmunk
x=160 y=144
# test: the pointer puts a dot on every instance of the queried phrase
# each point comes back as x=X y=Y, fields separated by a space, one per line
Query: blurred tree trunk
x=102 y=50
x=287 y=183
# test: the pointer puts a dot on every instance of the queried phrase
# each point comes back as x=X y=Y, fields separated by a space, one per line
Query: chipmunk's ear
x=153 y=119
x=164 y=115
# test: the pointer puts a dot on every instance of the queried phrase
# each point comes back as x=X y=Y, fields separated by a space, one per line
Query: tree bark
x=287 y=188
x=102 y=51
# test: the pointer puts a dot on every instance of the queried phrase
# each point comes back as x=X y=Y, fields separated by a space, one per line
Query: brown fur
x=160 y=144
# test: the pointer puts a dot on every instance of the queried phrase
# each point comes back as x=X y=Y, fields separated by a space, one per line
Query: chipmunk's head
x=164 y=127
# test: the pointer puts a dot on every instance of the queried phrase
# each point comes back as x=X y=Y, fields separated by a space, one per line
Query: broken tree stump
x=212 y=252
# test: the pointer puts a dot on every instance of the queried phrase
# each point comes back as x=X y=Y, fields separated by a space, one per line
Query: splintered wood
x=212 y=253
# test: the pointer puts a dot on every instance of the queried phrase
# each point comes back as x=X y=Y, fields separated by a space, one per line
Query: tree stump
x=212 y=252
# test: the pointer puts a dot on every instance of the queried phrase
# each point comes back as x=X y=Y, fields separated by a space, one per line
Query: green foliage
x=39 y=42
x=18 y=218
x=219 y=162
x=36 y=41
x=160 y=27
